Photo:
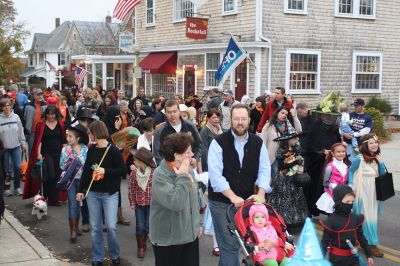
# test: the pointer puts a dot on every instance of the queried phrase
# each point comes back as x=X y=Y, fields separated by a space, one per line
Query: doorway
x=189 y=82
x=241 y=80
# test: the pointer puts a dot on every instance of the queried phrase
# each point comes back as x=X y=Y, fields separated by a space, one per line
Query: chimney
x=57 y=22
x=108 y=19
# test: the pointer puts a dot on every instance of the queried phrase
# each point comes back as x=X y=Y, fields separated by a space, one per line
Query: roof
x=97 y=33
x=53 y=41
x=30 y=71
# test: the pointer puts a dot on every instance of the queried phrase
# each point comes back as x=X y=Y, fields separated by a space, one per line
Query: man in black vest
x=237 y=162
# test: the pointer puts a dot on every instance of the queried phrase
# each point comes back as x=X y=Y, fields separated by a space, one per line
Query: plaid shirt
x=136 y=195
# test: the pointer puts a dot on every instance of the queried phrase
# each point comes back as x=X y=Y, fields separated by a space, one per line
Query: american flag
x=123 y=7
x=80 y=74
x=52 y=67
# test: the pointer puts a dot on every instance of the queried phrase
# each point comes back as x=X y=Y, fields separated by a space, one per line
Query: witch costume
x=340 y=226
x=287 y=198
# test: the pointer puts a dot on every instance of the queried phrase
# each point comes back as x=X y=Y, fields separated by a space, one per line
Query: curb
x=30 y=239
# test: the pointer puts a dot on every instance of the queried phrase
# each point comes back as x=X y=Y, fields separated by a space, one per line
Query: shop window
x=367 y=72
x=212 y=63
x=183 y=9
x=163 y=84
x=303 y=70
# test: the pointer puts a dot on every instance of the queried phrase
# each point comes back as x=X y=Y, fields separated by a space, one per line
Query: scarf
x=143 y=178
x=214 y=130
x=260 y=110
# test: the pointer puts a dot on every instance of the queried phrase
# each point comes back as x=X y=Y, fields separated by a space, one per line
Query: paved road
x=53 y=230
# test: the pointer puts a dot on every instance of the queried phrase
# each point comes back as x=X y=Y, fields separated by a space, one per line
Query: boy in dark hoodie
x=344 y=225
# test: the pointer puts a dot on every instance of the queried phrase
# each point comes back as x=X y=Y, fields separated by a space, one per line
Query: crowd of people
x=227 y=150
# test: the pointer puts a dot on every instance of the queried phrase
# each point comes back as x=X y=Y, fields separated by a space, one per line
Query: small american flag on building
x=52 y=67
x=123 y=8
x=80 y=74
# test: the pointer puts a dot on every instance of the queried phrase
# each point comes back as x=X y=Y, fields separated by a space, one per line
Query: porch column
x=122 y=77
x=257 y=74
x=104 y=75
x=94 y=75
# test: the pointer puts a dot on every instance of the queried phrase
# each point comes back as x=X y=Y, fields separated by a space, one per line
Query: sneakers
x=18 y=192
x=8 y=193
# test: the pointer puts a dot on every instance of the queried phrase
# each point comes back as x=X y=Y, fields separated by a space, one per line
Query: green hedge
x=378 y=122
x=381 y=104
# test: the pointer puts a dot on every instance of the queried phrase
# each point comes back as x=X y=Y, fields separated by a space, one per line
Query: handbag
x=39 y=171
x=67 y=176
x=302 y=179
x=24 y=166
x=384 y=186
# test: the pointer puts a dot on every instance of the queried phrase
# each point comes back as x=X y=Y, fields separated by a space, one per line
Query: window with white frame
x=303 y=71
x=150 y=15
x=355 y=8
x=61 y=59
x=212 y=64
x=183 y=9
x=163 y=84
x=296 y=6
x=229 y=7
x=367 y=72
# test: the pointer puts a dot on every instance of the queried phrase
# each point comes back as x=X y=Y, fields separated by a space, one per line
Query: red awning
x=160 y=63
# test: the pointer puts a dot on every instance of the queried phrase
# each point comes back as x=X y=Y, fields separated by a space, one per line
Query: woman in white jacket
x=282 y=122
x=13 y=139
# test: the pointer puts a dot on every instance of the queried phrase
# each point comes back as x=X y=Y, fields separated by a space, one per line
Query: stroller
x=239 y=225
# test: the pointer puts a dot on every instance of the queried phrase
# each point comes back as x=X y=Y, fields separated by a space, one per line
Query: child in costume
x=336 y=172
x=341 y=226
x=140 y=187
x=286 y=197
x=268 y=240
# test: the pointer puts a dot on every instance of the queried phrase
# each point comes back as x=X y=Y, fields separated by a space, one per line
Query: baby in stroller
x=268 y=240
x=261 y=231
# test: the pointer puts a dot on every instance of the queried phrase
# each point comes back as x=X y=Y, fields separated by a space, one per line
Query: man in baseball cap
x=362 y=125
x=225 y=109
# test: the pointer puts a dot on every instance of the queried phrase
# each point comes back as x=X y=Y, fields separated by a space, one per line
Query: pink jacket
x=266 y=235
x=335 y=178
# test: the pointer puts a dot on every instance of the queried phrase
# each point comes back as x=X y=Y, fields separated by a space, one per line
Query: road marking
x=391 y=257
x=390 y=250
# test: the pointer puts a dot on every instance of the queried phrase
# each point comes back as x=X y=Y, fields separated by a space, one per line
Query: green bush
x=377 y=122
x=381 y=104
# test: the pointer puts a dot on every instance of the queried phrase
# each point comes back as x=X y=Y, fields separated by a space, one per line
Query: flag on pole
x=80 y=74
x=123 y=8
x=234 y=55
x=52 y=67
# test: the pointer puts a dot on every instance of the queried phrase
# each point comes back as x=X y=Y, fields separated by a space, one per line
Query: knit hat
x=340 y=191
x=258 y=207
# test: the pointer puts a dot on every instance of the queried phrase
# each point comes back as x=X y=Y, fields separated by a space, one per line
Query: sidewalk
x=19 y=247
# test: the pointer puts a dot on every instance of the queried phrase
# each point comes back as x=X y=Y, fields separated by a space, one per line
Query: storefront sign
x=126 y=41
x=196 y=28
x=138 y=72
x=190 y=67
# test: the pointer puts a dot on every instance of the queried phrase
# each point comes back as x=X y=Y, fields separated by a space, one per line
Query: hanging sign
x=126 y=41
x=196 y=28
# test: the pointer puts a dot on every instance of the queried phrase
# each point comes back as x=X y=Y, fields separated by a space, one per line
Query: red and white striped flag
x=80 y=74
x=123 y=7
x=52 y=67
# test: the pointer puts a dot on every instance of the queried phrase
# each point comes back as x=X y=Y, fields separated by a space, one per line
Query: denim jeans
x=98 y=201
x=13 y=156
x=228 y=244
x=73 y=204
x=142 y=214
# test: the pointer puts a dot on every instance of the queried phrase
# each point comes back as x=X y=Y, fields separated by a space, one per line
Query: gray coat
x=174 y=210
x=11 y=131
x=29 y=115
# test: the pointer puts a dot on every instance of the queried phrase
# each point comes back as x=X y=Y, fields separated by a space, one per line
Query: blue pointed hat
x=308 y=250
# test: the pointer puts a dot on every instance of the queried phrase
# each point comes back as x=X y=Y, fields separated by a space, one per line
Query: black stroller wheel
x=247 y=261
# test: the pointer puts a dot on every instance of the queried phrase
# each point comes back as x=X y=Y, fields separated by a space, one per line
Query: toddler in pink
x=267 y=237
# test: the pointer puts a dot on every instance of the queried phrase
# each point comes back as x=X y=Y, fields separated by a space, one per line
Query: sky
x=39 y=15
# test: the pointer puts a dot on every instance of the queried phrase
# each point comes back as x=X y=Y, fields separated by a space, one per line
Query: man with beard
x=237 y=162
